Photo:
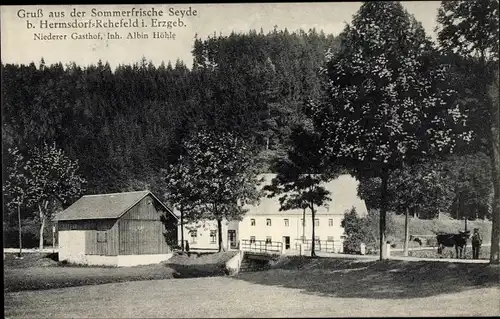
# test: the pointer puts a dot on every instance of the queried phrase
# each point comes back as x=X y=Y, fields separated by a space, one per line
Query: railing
x=328 y=246
x=261 y=246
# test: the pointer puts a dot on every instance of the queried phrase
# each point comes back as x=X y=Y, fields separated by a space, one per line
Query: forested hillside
x=124 y=125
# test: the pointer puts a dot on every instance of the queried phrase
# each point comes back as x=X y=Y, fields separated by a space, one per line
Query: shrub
x=357 y=230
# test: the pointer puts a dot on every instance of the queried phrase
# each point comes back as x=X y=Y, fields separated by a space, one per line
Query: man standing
x=476 y=243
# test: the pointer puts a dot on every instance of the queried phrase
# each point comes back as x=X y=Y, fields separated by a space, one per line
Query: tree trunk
x=313 y=242
x=182 y=228
x=407 y=234
x=304 y=226
x=465 y=223
x=383 y=213
x=20 y=230
x=495 y=212
x=413 y=212
x=219 y=228
x=42 y=227
x=43 y=219
x=494 y=152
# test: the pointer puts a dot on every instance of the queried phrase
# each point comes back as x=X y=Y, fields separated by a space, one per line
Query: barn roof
x=343 y=195
x=105 y=206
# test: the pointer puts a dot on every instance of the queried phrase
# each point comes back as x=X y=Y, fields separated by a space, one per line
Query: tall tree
x=15 y=188
x=223 y=176
x=386 y=101
x=53 y=180
x=299 y=178
x=180 y=185
x=470 y=29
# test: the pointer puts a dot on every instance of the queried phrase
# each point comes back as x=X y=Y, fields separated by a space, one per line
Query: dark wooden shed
x=120 y=229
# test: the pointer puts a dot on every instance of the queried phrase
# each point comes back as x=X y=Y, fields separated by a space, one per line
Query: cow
x=459 y=241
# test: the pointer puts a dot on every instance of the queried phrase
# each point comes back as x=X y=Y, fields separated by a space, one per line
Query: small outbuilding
x=120 y=229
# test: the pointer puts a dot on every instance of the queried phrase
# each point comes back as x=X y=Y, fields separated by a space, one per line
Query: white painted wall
x=294 y=230
x=97 y=260
x=234 y=263
x=203 y=239
x=135 y=260
x=72 y=246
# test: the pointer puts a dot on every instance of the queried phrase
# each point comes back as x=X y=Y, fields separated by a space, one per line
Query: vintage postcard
x=251 y=159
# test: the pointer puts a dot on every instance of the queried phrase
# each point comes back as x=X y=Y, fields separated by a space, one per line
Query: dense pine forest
x=124 y=125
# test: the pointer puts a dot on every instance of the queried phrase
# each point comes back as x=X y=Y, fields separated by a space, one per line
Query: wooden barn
x=120 y=229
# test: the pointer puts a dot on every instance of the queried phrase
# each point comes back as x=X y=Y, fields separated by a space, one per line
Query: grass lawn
x=484 y=253
x=376 y=279
x=39 y=271
x=298 y=287
x=39 y=278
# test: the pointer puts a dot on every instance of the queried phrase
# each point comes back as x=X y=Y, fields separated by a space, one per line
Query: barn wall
x=139 y=237
x=141 y=229
x=106 y=247
x=146 y=209
x=90 y=230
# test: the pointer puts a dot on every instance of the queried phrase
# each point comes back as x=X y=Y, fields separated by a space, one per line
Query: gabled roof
x=105 y=206
x=343 y=194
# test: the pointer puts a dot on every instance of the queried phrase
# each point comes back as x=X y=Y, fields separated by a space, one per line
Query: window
x=252 y=239
x=194 y=235
x=268 y=239
x=252 y=222
x=287 y=223
x=329 y=238
x=330 y=222
x=316 y=222
x=268 y=222
x=213 y=236
x=102 y=237
x=316 y=239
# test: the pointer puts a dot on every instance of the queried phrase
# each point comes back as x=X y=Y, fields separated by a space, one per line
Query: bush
x=357 y=230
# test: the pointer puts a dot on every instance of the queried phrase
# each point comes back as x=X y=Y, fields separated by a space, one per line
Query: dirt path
x=228 y=297
x=376 y=257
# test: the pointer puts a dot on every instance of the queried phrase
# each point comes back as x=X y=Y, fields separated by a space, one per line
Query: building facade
x=204 y=235
x=265 y=223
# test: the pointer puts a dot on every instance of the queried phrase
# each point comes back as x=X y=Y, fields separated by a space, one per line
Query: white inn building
x=265 y=223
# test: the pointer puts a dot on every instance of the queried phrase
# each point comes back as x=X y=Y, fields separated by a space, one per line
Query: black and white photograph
x=251 y=160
